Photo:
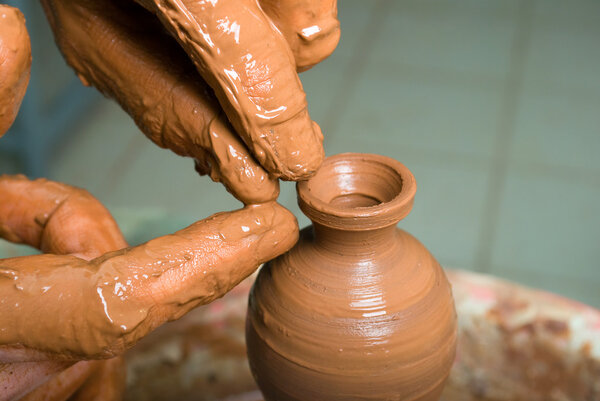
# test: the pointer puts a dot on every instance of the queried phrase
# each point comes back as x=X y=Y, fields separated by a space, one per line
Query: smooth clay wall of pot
x=358 y=309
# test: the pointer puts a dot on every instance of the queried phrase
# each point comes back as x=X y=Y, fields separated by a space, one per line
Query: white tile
x=471 y=43
x=558 y=130
x=391 y=104
x=548 y=224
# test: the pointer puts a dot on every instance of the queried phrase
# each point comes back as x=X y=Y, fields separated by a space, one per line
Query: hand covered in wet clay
x=215 y=80
x=89 y=296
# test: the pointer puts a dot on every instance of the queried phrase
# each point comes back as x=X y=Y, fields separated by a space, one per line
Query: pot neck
x=354 y=242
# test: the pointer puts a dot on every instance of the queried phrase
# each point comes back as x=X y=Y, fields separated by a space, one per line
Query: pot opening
x=351 y=201
x=360 y=190
x=356 y=183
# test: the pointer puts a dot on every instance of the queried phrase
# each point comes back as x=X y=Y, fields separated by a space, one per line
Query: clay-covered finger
x=227 y=160
x=252 y=70
x=56 y=218
x=15 y=64
x=310 y=27
x=200 y=263
x=66 y=307
x=123 y=51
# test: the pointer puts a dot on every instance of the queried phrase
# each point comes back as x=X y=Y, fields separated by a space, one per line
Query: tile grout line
x=504 y=137
x=355 y=68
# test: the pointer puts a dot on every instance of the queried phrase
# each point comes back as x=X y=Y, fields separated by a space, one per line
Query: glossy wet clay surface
x=358 y=308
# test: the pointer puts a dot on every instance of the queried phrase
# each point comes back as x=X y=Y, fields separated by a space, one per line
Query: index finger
x=249 y=65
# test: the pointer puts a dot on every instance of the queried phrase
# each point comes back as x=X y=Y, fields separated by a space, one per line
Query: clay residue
x=15 y=64
x=358 y=309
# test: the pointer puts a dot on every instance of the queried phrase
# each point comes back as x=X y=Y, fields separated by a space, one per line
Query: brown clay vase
x=358 y=309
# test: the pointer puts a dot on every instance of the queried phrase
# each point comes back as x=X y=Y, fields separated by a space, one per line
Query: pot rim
x=396 y=177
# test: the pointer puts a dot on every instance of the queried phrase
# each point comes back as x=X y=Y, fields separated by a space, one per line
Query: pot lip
x=359 y=218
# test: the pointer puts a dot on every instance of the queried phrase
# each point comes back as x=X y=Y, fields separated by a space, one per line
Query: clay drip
x=358 y=309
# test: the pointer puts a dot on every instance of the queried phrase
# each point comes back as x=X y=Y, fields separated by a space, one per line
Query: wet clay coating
x=122 y=51
x=358 y=309
x=250 y=67
x=65 y=307
x=58 y=219
x=15 y=64
x=311 y=28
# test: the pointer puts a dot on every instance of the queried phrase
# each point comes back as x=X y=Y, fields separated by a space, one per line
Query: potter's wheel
x=515 y=343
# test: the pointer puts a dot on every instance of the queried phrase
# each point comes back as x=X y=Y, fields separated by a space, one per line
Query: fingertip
x=254 y=189
x=280 y=230
x=295 y=150
x=228 y=161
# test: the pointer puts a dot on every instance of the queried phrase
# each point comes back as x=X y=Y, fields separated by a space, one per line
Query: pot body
x=352 y=315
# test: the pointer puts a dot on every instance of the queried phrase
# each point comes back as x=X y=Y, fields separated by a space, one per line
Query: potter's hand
x=195 y=74
x=15 y=63
x=82 y=303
